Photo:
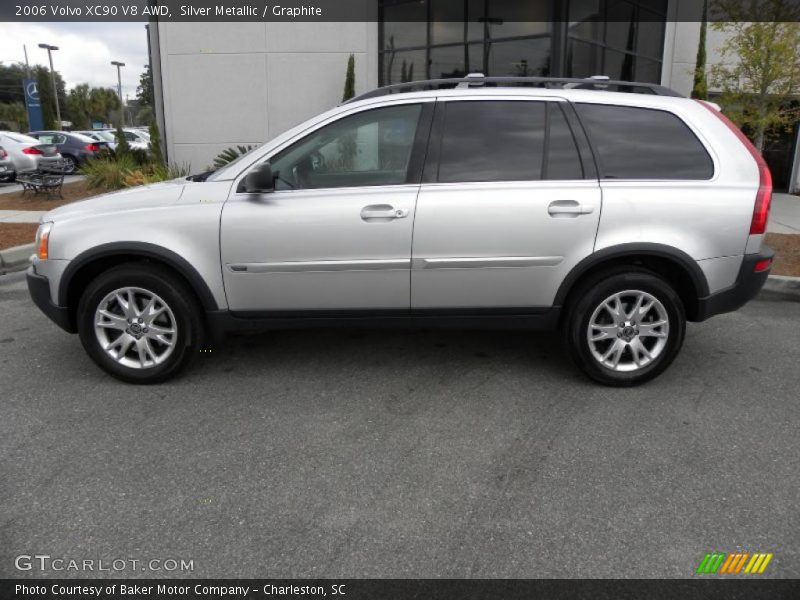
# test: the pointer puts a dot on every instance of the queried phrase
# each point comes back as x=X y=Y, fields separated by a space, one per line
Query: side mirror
x=260 y=180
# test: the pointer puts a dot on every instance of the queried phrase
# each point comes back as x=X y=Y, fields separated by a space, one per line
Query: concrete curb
x=783 y=286
x=16 y=258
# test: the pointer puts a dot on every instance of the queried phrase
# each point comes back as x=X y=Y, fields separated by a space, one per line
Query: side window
x=506 y=140
x=644 y=143
x=131 y=137
x=365 y=149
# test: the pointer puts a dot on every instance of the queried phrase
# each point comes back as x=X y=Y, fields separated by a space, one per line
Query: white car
x=28 y=153
x=101 y=135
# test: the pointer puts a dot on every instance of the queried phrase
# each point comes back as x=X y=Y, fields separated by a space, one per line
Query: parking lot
x=403 y=454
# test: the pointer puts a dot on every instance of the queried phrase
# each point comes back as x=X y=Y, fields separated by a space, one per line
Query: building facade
x=225 y=84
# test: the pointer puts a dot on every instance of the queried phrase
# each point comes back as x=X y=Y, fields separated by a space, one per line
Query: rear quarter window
x=644 y=143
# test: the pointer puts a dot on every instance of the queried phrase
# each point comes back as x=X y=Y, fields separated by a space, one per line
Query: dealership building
x=239 y=83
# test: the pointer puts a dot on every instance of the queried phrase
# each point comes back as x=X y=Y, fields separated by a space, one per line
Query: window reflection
x=450 y=38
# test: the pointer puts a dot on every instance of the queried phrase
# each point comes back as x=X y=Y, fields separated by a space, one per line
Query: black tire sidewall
x=600 y=289
x=171 y=290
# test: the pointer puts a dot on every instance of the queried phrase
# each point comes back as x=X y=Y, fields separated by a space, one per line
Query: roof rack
x=475 y=80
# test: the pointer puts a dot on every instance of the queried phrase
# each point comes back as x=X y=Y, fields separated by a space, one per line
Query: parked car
x=613 y=216
x=28 y=153
x=75 y=148
x=7 y=170
x=137 y=136
x=101 y=135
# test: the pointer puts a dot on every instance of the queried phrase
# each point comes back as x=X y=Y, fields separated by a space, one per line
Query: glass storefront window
x=450 y=38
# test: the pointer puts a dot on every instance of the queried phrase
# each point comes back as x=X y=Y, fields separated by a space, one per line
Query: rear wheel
x=70 y=164
x=139 y=323
x=625 y=327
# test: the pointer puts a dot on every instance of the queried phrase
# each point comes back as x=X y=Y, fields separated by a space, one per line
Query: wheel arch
x=674 y=265
x=90 y=263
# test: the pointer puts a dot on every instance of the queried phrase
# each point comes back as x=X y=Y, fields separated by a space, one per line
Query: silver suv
x=616 y=211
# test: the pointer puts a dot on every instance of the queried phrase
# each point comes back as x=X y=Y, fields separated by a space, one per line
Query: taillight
x=762 y=265
x=93 y=147
x=758 y=224
x=31 y=150
x=3 y=153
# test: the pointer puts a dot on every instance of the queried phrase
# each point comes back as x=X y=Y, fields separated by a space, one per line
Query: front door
x=509 y=205
x=336 y=232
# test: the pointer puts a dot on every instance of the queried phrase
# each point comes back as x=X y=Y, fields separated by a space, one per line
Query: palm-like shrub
x=230 y=154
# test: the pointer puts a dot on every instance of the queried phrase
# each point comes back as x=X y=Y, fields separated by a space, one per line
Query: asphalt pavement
x=402 y=454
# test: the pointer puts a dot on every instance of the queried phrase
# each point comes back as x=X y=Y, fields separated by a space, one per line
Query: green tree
x=155 y=144
x=761 y=63
x=46 y=98
x=700 y=88
x=144 y=93
x=13 y=112
x=102 y=101
x=350 y=79
x=78 y=105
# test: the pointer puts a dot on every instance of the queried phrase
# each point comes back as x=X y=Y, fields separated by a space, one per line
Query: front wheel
x=625 y=328
x=139 y=323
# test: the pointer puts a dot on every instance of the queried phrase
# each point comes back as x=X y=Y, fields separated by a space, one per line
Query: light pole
x=50 y=49
x=118 y=64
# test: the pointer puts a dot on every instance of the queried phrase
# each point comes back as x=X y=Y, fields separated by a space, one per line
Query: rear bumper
x=39 y=289
x=748 y=284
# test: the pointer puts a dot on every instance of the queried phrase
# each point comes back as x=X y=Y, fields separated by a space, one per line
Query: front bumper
x=39 y=289
x=748 y=283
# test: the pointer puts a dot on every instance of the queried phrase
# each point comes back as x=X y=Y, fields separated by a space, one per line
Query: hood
x=146 y=196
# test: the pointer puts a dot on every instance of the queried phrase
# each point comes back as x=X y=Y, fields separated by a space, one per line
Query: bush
x=230 y=154
x=108 y=173
x=123 y=170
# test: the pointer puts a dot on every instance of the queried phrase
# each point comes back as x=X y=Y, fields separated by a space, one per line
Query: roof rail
x=473 y=80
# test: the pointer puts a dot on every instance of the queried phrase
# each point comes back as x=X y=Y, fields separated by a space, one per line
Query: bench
x=47 y=179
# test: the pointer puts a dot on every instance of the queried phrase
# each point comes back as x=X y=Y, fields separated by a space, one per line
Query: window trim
x=692 y=129
x=586 y=159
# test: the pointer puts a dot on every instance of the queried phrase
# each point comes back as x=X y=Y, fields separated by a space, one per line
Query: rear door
x=509 y=204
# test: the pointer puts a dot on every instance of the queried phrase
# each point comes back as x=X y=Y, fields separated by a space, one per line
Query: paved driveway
x=441 y=454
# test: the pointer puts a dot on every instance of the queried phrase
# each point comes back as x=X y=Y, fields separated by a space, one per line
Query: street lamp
x=118 y=64
x=50 y=49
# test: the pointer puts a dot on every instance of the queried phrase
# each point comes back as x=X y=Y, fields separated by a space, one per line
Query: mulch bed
x=77 y=190
x=787 y=253
x=16 y=234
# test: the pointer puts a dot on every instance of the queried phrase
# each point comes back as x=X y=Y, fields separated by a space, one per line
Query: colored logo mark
x=733 y=563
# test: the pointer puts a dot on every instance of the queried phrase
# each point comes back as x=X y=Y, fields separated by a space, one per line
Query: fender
x=670 y=253
x=145 y=250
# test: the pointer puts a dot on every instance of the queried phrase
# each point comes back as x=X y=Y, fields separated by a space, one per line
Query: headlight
x=43 y=240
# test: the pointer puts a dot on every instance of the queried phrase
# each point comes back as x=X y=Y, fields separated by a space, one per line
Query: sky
x=85 y=50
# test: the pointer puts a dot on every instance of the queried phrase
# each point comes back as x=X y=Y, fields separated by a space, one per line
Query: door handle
x=382 y=212
x=568 y=208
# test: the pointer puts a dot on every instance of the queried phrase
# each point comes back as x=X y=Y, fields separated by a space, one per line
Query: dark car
x=75 y=148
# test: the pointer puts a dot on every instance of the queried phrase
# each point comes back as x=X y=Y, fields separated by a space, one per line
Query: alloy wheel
x=135 y=327
x=628 y=330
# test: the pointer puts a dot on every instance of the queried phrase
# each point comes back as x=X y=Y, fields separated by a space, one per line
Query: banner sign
x=33 y=104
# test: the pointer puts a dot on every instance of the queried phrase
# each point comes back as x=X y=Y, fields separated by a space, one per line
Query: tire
x=640 y=343
x=70 y=164
x=157 y=347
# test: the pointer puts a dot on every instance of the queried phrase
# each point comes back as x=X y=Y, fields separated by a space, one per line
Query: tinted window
x=505 y=141
x=369 y=148
x=642 y=143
